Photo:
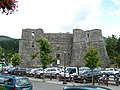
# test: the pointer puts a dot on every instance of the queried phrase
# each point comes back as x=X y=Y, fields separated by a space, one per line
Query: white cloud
x=90 y=22
x=58 y=13
x=52 y=16
x=112 y=30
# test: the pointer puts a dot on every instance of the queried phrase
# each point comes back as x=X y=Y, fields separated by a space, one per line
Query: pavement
x=112 y=86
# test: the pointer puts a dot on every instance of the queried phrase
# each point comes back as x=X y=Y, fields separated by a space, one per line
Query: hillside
x=2 y=38
x=9 y=44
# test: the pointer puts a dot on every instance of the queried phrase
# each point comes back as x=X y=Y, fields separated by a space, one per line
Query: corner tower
x=28 y=45
x=81 y=41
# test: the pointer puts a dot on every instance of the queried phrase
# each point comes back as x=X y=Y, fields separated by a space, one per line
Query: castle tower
x=81 y=41
x=95 y=38
x=78 y=46
x=28 y=45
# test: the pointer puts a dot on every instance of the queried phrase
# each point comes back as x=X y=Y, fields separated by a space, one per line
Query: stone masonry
x=65 y=46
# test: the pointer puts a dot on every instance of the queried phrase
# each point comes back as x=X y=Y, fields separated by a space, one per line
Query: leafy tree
x=92 y=59
x=117 y=60
x=118 y=45
x=111 y=46
x=1 y=53
x=45 y=50
x=10 y=47
x=15 y=59
x=8 y=57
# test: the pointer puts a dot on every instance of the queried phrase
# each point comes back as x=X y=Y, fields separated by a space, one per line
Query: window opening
x=88 y=35
x=33 y=35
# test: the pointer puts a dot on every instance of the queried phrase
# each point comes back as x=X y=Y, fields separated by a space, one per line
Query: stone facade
x=65 y=46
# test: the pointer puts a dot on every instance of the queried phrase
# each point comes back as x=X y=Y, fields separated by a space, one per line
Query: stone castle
x=68 y=48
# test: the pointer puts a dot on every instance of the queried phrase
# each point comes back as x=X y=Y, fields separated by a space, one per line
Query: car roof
x=13 y=77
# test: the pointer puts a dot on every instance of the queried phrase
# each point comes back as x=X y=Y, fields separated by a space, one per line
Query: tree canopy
x=45 y=50
x=113 y=50
x=15 y=59
x=111 y=47
x=92 y=57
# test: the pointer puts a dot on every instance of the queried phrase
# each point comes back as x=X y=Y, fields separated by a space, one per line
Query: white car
x=48 y=72
x=38 y=72
x=110 y=71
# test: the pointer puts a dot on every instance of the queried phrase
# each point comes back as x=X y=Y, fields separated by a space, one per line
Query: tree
x=92 y=59
x=111 y=47
x=45 y=50
x=118 y=45
x=118 y=53
x=1 y=53
x=9 y=47
x=8 y=6
x=117 y=60
x=15 y=59
x=2 y=50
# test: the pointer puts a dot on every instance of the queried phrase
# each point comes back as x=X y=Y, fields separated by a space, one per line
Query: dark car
x=85 y=87
x=87 y=76
x=17 y=71
x=16 y=83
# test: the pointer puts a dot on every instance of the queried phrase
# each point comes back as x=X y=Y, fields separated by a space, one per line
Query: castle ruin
x=65 y=46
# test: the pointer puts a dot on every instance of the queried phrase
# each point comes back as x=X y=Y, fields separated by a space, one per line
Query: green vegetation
x=92 y=58
x=9 y=46
x=15 y=59
x=45 y=50
x=113 y=49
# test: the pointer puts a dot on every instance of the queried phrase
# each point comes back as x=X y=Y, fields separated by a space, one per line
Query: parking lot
x=57 y=82
x=55 y=76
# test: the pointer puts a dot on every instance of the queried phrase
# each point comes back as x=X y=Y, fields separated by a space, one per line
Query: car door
x=2 y=86
x=9 y=84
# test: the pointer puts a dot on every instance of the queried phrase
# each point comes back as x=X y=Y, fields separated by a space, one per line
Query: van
x=69 y=73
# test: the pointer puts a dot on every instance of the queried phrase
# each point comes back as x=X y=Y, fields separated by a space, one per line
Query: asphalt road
x=46 y=86
x=54 y=84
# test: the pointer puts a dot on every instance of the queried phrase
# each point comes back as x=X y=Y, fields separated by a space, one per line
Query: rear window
x=22 y=81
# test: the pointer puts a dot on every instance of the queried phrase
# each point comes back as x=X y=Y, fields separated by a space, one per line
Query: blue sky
x=55 y=16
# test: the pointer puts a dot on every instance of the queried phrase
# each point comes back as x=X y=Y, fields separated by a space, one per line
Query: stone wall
x=72 y=45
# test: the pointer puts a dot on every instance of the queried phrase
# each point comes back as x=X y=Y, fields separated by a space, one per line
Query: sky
x=54 y=16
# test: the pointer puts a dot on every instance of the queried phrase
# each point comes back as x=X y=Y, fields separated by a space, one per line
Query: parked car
x=52 y=72
x=110 y=71
x=31 y=72
x=83 y=69
x=2 y=83
x=16 y=83
x=17 y=71
x=69 y=73
x=38 y=72
x=86 y=76
x=85 y=87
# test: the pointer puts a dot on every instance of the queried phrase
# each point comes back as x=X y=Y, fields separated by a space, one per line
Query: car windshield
x=22 y=81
